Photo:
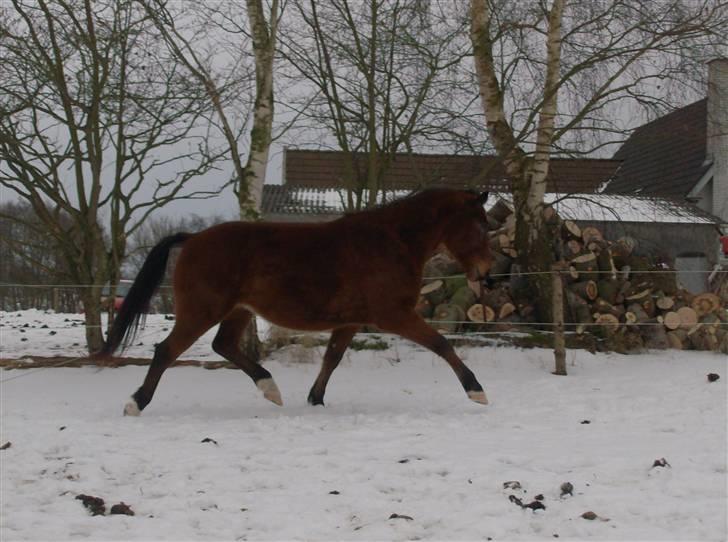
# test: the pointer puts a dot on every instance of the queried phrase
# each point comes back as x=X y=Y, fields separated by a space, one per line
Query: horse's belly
x=309 y=314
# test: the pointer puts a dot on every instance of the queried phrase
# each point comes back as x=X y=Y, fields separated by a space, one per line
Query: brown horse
x=362 y=269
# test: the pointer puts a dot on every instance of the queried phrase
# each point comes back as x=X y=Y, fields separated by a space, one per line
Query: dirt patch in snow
x=33 y=362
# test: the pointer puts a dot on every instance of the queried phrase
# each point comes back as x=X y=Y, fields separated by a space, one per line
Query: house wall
x=704 y=198
x=686 y=247
x=690 y=246
x=717 y=142
x=665 y=241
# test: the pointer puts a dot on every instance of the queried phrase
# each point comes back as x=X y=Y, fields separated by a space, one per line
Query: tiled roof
x=300 y=200
x=665 y=157
x=297 y=200
x=326 y=169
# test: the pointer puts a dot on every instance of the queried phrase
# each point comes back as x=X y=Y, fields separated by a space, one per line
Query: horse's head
x=466 y=236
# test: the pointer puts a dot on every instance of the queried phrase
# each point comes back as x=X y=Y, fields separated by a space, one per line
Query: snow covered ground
x=398 y=436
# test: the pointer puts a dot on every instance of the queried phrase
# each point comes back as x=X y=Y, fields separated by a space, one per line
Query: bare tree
x=93 y=113
x=249 y=29
x=32 y=270
x=152 y=232
x=261 y=31
x=377 y=75
x=550 y=71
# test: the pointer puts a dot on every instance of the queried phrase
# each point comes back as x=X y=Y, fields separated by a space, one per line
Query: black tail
x=136 y=302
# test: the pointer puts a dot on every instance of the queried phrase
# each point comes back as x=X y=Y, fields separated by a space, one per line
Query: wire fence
x=65 y=298
x=427 y=278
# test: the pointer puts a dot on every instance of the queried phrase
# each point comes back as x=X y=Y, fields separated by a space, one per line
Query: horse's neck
x=420 y=224
x=421 y=229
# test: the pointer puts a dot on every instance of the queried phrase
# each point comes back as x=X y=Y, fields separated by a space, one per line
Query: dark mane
x=416 y=196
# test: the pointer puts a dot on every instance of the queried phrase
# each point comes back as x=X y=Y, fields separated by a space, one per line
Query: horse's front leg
x=411 y=326
x=338 y=343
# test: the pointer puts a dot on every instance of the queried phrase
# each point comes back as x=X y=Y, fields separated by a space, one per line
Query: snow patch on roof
x=621 y=208
x=610 y=208
x=581 y=207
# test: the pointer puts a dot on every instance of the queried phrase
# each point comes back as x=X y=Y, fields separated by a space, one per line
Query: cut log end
x=705 y=304
x=480 y=313
x=609 y=321
x=688 y=317
x=671 y=320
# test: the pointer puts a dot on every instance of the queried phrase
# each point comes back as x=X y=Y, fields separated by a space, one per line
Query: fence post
x=558 y=319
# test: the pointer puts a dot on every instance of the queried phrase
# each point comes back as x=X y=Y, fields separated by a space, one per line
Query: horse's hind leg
x=414 y=328
x=338 y=343
x=227 y=344
x=183 y=335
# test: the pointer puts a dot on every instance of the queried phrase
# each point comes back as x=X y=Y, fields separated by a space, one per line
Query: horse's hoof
x=270 y=390
x=478 y=397
x=132 y=409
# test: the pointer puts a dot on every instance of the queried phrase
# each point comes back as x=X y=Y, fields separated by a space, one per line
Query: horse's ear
x=482 y=198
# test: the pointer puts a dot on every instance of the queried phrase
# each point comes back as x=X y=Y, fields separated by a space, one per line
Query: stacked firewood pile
x=609 y=290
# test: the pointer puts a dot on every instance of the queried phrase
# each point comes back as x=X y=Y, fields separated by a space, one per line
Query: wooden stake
x=558 y=317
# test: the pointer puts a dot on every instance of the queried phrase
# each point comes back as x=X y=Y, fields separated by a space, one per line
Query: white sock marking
x=131 y=408
x=478 y=397
x=270 y=390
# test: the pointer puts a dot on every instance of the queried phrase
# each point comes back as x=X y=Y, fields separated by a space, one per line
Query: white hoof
x=478 y=397
x=131 y=408
x=270 y=390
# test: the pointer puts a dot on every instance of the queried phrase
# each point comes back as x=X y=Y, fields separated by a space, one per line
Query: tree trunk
x=527 y=175
x=253 y=175
x=558 y=318
x=264 y=42
x=91 y=298
x=534 y=243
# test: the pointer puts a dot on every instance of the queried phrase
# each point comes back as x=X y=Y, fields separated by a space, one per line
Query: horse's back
x=299 y=275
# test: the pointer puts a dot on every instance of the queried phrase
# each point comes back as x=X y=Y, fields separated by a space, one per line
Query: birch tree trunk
x=252 y=178
x=373 y=158
x=527 y=174
x=264 y=47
